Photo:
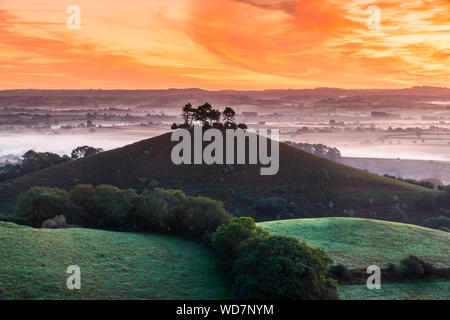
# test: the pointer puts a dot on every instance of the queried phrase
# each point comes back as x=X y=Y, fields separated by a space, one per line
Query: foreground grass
x=359 y=243
x=394 y=291
x=114 y=265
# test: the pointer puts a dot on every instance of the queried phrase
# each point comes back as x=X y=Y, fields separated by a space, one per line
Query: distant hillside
x=113 y=266
x=414 y=169
x=238 y=185
x=359 y=243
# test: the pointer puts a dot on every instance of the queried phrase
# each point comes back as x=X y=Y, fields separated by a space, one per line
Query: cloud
x=287 y=38
x=227 y=44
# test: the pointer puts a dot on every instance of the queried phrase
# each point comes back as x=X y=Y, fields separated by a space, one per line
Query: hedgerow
x=108 y=207
x=261 y=266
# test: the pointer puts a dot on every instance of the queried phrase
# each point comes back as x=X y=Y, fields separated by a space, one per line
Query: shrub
x=341 y=272
x=427 y=184
x=82 y=195
x=142 y=180
x=282 y=268
x=397 y=214
x=55 y=223
x=416 y=268
x=227 y=239
x=199 y=217
x=412 y=268
x=274 y=207
x=159 y=207
x=394 y=270
x=41 y=203
x=427 y=201
x=111 y=206
x=440 y=223
x=445 y=197
x=152 y=184
x=135 y=207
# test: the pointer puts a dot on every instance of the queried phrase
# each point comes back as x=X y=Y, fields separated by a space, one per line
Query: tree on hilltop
x=188 y=114
x=228 y=116
x=209 y=117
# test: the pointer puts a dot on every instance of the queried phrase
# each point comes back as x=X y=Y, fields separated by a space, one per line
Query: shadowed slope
x=151 y=159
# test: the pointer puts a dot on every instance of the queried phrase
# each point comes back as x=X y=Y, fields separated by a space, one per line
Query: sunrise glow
x=224 y=44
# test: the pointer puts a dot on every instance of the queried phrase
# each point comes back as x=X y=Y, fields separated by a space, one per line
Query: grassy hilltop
x=238 y=186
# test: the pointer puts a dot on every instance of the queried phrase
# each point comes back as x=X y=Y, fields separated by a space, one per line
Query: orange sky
x=224 y=44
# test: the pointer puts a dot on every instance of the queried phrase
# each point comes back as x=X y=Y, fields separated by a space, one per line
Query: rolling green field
x=358 y=243
x=398 y=291
x=114 y=265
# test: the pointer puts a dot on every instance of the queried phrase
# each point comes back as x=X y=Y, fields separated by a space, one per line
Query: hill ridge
x=150 y=159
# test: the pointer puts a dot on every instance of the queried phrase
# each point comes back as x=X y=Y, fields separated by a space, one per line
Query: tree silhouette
x=188 y=114
x=214 y=115
x=209 y=117
x=228 y=116
x=202 y=113
x=84 y=151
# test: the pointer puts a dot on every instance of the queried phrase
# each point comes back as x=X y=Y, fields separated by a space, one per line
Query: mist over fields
x=412 y=124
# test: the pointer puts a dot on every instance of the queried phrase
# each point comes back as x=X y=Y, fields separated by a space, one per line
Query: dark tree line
x=84 y=151
x=208 y=117
x=33 y=161
x=320 y=150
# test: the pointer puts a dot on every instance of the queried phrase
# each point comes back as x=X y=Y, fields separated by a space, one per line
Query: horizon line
x=218 y=90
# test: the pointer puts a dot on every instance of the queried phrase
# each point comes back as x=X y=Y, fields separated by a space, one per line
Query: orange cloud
x=288 y=38
x=238 y=44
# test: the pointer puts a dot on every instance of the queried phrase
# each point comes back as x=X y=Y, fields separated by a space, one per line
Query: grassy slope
x=394 y=291
x=113 y=265
x=348 y=188
x=359 y=243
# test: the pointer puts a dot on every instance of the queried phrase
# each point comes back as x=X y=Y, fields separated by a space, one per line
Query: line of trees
x=111 y=208
x=208 y=117
x=33 y=161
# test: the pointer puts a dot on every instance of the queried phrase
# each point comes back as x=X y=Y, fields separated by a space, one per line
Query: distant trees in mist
x=33 y=161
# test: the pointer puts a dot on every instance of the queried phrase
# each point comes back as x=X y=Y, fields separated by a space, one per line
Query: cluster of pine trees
x=208 y=118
